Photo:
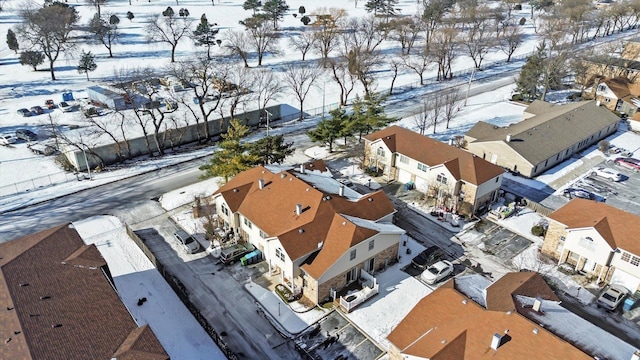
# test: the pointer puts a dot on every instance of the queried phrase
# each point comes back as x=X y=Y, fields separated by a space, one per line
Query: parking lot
x=334 y=337
x=619 y=194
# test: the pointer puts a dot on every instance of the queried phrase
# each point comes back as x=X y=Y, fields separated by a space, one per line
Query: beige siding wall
x=394 y=353
x=506 y=156
x=553 y=238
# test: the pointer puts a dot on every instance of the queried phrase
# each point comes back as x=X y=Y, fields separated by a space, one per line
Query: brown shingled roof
x=342 y=235
x=273 y=208
x=499 y=295
x=55 y=300
x=447 y=325
x=619 y=228
x=462 y=164
x=141 y=344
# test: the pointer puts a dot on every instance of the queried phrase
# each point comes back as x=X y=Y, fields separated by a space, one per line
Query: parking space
x=335 y=337
x=621 y=194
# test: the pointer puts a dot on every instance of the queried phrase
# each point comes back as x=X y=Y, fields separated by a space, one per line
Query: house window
x=562 y=238
x=371 y=244
x=635 y=261
x=352 y=255
x=586 y=243
x=441 y=179
x=225 y=210
x=263 y=235
x=498 y=178
x=404 y=159
x=626 y=257
x=380 y=151
x=422 y=167
x=606 y=100
x=248 y=223
x=280 y=254
x=601 y=88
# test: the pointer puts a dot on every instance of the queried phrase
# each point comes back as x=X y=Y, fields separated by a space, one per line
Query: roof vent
x=235 y=190
x=24 y=284
x=45 y=297
x=508 y=139
x=261 y=183
x=495 y=341
x=443 y=341
x=9 y=308
x=341 y=190
x=535 y=331
x=298 y=209
x=283 y=175
x=301 y=168
x=320 y=244
x=537 y=303
x=7 y=341
x=370 y=199
x=464 y=301
x=344 y=223
x=56 y=325
x=300 y=231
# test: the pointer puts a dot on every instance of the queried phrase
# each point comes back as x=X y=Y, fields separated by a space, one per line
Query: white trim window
x=248 y=223
x=403 y=159
x=422 y=167
x=280 y=254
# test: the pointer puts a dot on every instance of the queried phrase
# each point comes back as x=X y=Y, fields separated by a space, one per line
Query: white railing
x=369 y=288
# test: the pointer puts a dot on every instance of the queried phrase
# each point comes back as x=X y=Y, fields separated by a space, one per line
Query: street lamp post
x=324 y=83
x=86 y=162
x=473 y=72
x=268 y=115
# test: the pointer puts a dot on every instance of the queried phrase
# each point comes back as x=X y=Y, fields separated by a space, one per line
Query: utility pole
x=469 y=86
x=268 y=115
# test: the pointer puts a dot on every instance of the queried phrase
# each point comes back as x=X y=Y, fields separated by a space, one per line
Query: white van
x=189 y=244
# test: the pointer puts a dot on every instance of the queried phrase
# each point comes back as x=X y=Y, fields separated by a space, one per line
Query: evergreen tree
x=12 y=41
x=275 y=9
x=368 y=115
x=87 y=63
x=252 y=5
x=330 y=129
x=205 y=35
x=31 y=58
x=271 y=149
x=381 y=7
x=531 y=75
x=232 y=158
x=130 y=15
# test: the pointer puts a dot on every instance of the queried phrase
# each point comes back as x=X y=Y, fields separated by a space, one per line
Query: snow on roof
x=328 y=184
x=474 y=287
x=136 y=277
x=583 y=334
x=379 y=227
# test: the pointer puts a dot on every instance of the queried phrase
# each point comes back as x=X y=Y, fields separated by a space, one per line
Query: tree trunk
x=173 y=53
x=53 y=76
x=87 y=72
x=301 y=111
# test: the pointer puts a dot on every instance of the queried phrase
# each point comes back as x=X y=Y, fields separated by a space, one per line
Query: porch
x=357 y=292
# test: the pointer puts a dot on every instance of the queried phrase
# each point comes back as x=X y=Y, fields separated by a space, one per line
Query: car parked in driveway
x=437 y=272
x=234 y=253
x=24 y=112
x=26 y=135
x=6 y=139
x=65 y=107
x=612 y=297
x=606 y=173
x=38 y=110
x=579 y=193
x=427 y=257
x=50 y=104
x=631 y=163
x=186 y=241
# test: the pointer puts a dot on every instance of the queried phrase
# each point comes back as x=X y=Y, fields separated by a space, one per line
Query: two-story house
x=435 y=168
x=621 y=95
x=596 y=239
x=313 y=231
x=547 y=135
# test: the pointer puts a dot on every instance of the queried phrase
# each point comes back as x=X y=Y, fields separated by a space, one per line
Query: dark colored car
x=427 y=257
x=50 y=104
x=234 y=253
x=631 y=163
x=24 y=112
x=579 y=193
x=26 y=135
x=38 y=110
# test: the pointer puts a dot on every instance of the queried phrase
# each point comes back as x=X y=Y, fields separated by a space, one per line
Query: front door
x=352 y=275
x=368 y=265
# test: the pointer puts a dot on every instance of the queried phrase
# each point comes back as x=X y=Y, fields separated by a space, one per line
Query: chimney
x=261 y=183
x=298 y=209
x=341 y=190
x=495 y=341
x=537 y=303
x=636 y=355
x=301 y=168
x=450 y=141
x=508 y=138
x=598 y=103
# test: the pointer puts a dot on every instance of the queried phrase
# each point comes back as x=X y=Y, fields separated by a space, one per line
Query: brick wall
x=552 y=238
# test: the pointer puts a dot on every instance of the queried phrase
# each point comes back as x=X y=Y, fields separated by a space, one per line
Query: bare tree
x=237 y=43
x=299 y=80
x=423 y=119
x=266 y=87
x=405 y=30
x=262 y=36
x=303 y=42
x=105 y=30
x=478 y=39
x=97 y=4
x=239 y=94
x=113 y=125
x=358 y=47
x=339 y=68
x=169 y=29
x=451 y=104
x=326 y=29
x=49 y=29
x=510 y=40
x=419 y=63
x=207 y=80
x=443 y=49
x=395 y=67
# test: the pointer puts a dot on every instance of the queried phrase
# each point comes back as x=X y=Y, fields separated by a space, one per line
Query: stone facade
x=554 y=235
x=317 y=293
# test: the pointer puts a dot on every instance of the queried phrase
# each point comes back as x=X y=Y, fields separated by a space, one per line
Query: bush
x=517 y=7
x=31 y=58
x=538 y=230
x=305 y=20
x=523 y=21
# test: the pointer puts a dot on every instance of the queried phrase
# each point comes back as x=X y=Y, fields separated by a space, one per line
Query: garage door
x=422 y=184
x=625 y=279
x=404 y=176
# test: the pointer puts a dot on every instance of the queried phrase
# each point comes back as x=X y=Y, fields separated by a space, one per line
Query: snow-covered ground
x=135 y=277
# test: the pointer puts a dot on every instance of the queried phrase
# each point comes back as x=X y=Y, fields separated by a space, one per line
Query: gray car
x=186 y=241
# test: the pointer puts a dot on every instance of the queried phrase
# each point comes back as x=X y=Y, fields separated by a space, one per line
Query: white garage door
x=404 y=176
x=625 y=279
x=422 y=184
